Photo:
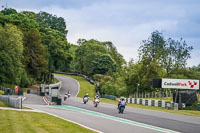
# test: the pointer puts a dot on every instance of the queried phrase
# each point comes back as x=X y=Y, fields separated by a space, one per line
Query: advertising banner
x=180 y=83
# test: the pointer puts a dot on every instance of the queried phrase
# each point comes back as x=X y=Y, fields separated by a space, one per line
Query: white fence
x=152 y=95
x=157 y=103
x=15 y=102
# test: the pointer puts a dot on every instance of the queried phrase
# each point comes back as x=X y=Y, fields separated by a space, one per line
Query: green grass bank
x=31 y=122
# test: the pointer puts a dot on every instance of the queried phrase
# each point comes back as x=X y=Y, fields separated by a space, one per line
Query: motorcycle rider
x=120 y=101
x=96 y=97
x=86 y=95
x=68 y=93
x=65 y=96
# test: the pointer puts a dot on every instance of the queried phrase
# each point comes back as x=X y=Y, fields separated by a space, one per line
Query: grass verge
x=1 y=92
x=31 y=122
x=2 y=104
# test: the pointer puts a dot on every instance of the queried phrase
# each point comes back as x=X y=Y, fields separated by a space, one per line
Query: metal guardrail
x=77 y=74
x=15 y=102
x=109 y=97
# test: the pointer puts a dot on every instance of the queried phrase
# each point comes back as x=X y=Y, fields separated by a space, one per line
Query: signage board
x=180 y=83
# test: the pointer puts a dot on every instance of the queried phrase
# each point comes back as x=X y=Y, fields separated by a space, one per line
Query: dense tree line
x=102 y=62
x=34 y=45
x=158 y=58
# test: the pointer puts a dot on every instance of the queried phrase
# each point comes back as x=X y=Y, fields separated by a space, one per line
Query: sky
x=124 y=22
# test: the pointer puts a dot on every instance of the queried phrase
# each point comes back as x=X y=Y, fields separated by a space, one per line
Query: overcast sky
x=124 y=22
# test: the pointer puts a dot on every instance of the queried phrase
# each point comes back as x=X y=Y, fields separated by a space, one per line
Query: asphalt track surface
x=73 y=109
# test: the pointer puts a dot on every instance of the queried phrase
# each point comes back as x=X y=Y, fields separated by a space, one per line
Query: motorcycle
x=121 y=109
x=68 y=95
x=96 y=102
x=85 y=100
x=65 y=97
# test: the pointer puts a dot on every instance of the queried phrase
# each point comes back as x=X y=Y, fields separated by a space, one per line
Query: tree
x=35 y=54
x=86 y=53
x=117 y=57
x=168 y=53
x=52 y=21
x=8 y=11
x=177 y=55
x=21 y=20
x=11 y=47
x=58 y=50
x=158 y=58
x=103 y=64
x=45 y=45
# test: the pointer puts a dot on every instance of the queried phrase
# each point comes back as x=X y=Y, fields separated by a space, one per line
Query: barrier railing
x=15 y=102
x=109 y=97
x=157 y=103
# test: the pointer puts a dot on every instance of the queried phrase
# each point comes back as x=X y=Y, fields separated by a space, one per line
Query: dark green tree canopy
x=44 y=47
x=52 y=21
x=103 y=64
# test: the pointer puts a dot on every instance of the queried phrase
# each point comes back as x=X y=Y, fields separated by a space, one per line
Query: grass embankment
x=86 y=87
x=31 y=122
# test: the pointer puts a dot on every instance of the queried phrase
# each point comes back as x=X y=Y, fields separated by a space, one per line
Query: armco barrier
x=157 y=103
x=15 y=102
x=109 y=97
x=198 y=107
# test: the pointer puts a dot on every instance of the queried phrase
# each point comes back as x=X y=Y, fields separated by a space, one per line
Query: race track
x=105 y=117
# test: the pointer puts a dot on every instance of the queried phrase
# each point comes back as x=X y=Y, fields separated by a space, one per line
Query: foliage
x=52 y=21
x=34 y=54
x=86 y=53
x=158 y=58
x=57 y=47
x=117 y=57
x=108 y=85
x=103 y=64
x=34 y=45
x=169 y=54
x=11 y=47
x=33 y=48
